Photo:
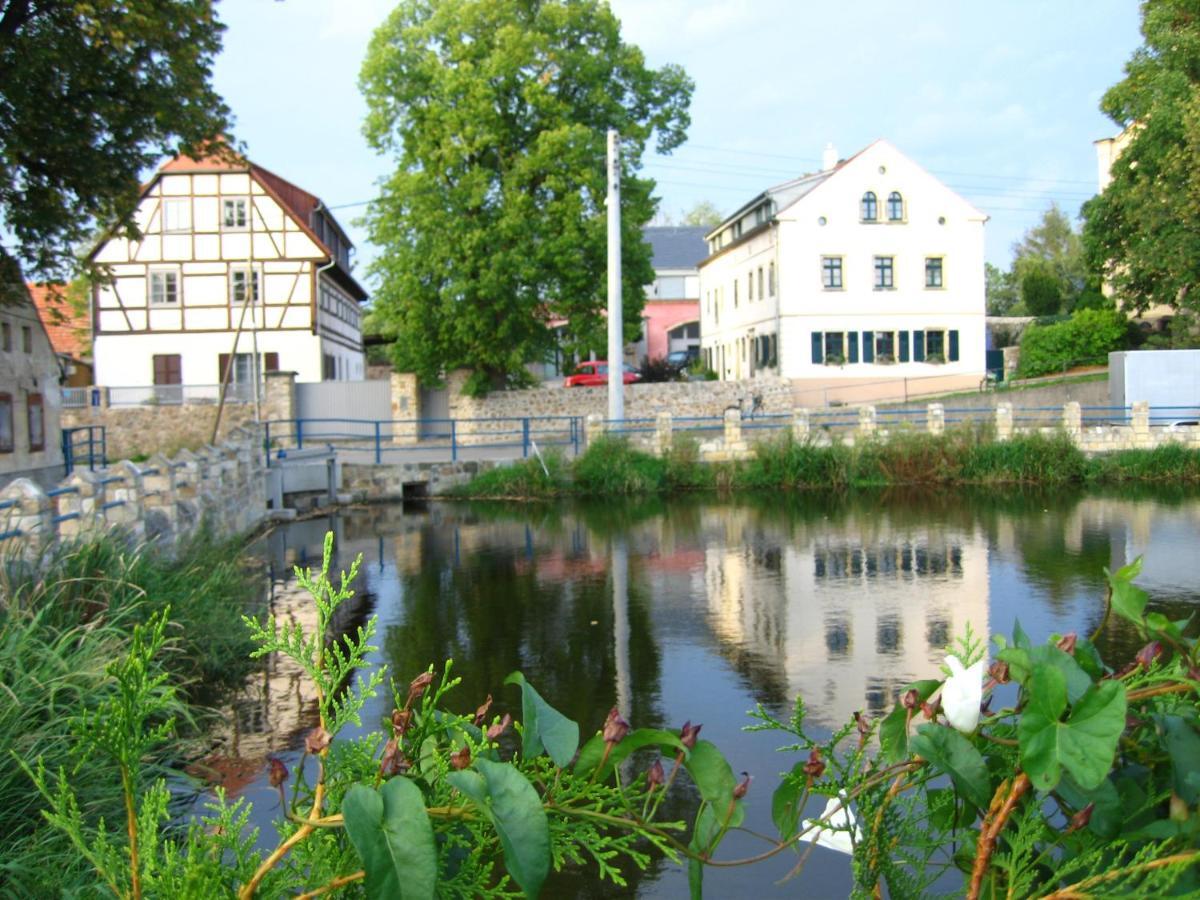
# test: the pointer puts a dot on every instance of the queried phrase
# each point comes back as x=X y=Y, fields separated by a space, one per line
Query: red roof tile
x=69 y=330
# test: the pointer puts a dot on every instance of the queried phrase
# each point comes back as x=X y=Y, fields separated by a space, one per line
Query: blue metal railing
x=387 y=439
x=86 y=445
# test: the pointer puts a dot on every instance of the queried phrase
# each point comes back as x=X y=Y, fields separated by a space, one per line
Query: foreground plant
x=1083 y=782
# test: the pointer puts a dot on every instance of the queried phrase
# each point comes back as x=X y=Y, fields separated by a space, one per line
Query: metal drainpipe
x=778 y=303
x=317 y=299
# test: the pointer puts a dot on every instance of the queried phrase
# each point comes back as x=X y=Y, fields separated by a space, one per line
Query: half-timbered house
x=232 y=261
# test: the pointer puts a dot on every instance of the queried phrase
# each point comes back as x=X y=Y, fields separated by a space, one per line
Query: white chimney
x=830 y=158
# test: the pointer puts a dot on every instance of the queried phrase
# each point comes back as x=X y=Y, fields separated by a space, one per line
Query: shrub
x=658 y=370
x=611 y=466
x=1086 y=337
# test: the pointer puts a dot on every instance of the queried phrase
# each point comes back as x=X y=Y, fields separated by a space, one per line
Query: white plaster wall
x=126 y=360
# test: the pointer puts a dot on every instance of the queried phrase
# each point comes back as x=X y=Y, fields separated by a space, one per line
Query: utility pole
x=616 y=343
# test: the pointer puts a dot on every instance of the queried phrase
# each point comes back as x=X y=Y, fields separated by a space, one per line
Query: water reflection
x=699 y=609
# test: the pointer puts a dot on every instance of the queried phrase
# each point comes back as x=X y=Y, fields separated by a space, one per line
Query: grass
x=960 y=456
x=63 y=617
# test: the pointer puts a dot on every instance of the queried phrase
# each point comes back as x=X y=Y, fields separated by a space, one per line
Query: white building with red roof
x=232 y=262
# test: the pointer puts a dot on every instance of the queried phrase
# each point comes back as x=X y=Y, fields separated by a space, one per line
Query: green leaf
x=712 y=773
x=951 y=753
x=592 y=752
x=785 y=802
x=515 y=810
x=1020 y=638
x=1128 y=601
x=1077 y=680
x=1182 y=743
x=893 y=730
x=394 y=838
x=544 y=725
x=1084 y=745
x=1108 y=812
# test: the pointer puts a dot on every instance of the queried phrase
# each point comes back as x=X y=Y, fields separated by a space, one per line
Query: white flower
x=962 y=694
x=837 y=815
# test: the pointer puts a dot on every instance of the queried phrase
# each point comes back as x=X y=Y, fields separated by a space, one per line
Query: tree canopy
x=704 y=212
x=1141 y=231
x=90 y=95
x=492 y=226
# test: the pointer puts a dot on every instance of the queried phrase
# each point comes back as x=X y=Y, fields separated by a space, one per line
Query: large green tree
x=1142 y=230
x=1052 y=247
x=91 y=93
x=492 y=227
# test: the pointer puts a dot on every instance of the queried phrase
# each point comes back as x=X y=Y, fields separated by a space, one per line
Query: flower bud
x=481 y=713
x=742 y=786
x=1067 y=642
x=999 y=672
x=863 y=721
x=1148 y=655
x=392 y=762
x=317 y=740
x=461 y=759
x=689 y=733
x=932 y=708
x=1081 y=818
x=655 y=775
x=615 y=727
x=1178 y=808
x=277 y=772
x=401 y=721
x=418 y=686
x=499 y=728
x=910 y=699
x=815 y=767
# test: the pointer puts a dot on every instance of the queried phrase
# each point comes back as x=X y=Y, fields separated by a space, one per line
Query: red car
x=594 y=373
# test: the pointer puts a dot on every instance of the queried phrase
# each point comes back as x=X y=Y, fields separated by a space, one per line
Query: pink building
x=671 y=317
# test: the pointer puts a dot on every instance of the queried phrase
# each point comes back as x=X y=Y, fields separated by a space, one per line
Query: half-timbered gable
x=226 y=250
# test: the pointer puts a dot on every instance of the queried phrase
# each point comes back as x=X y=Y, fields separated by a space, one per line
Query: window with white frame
x=177 y=215
x=831 y=272
x=164 y=287
x=239 y=280
x=760 y=283
x=884 y=273
x=771 y=279
x=933 y=272
x=870 y=207
x=895 y=207
x=885 y=346
x=234 y=212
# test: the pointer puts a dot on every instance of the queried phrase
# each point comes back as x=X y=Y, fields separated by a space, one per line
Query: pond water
x=702 y=608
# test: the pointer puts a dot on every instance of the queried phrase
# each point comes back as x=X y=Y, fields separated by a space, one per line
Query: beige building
x=30 y=397
x=231 y=256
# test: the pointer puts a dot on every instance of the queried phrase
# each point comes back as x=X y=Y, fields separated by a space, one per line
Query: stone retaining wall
x=387 y=481
x=737 y=436
x=162 y=500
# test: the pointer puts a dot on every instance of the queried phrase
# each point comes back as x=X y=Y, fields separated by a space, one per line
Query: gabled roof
x=297 y=201
x=64 y=326
x=676 y=247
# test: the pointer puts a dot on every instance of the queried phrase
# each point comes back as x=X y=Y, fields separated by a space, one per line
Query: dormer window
x=870 y=207
x=895 y=207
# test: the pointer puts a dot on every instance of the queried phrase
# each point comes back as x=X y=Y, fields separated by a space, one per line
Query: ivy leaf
x=592 y=752
x=515 y=810
x=712 y=773
x=544 y=725
x=951 y=753
x=893 y=730
x=392 y=834
x=1084 y=745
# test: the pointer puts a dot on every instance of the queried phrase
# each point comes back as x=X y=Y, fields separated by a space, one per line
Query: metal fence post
x=103 y=448
x=378 y=451
x=68 y=459
x=299 y=434
x=453 y=441
x=525 y=438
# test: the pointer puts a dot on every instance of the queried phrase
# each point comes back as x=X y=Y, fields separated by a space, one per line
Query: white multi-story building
x=229 y=253
x=867 y=271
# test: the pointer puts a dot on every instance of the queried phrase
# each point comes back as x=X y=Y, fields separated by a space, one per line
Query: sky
x=1000 y=100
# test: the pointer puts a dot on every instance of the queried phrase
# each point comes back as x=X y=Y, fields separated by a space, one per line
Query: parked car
x=681 y=359
x=594 y=373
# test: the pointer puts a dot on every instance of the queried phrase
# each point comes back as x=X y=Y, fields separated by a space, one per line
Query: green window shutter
x=868 y=346
x=818 y=349
x=904 y=346
x=852 y=346
x=953 y=346
x=918 y=346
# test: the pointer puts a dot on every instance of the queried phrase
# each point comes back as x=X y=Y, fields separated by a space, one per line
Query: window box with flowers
x=834 y=359
x=884 y=359
x=935 y=359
